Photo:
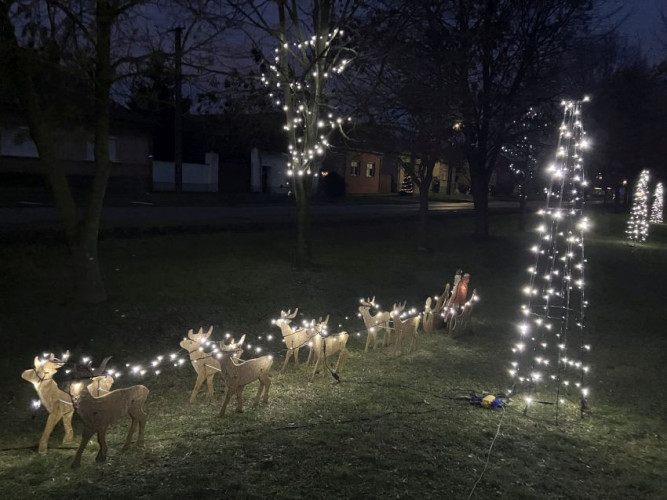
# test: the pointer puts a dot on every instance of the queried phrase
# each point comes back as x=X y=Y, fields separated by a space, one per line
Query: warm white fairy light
x=550 y=350
x=299 y=74
x=656 y=207
x=637 y=230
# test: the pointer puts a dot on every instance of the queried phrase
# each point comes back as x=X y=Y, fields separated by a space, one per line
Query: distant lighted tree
x=656 y=208
x=637 y=229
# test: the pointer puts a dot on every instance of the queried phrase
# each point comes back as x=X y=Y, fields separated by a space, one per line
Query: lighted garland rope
x=551 y=349
x=210 y=347
x=657 y=207
x=637 y=230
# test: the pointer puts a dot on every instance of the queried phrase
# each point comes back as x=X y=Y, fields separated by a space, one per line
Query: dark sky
x=644 y=26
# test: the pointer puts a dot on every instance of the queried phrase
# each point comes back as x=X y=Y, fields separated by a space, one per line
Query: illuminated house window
x=354 y=168
x=370 y=169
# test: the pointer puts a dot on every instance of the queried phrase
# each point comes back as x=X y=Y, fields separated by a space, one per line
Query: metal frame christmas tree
x=549 y=365
x=637 y=230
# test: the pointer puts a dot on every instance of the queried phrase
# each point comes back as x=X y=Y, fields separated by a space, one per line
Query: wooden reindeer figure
x=374 y=324
x=204 y=363
x=238 y=374
x=406 y=330
x=98 y=413
x=438 y=310
x=325 y=345
x=295 y=338
x=459 y=323
x=56 y=401
x=429 y=316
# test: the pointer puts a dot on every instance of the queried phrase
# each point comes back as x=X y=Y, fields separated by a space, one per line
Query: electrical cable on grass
x=488 y=454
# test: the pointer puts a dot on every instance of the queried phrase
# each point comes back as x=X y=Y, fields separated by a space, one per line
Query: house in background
x=130 y=149
x=449 y=179
x=268 y=172
x=361 y=170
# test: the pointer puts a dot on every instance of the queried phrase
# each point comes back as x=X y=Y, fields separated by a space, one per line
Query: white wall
x=197 y=177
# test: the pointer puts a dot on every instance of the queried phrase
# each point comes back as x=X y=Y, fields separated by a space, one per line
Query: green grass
x=393 y=427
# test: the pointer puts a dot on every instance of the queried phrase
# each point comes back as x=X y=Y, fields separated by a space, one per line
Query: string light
x=637 y=230
x=656 y=208
x=550 y=349
x=304 y=93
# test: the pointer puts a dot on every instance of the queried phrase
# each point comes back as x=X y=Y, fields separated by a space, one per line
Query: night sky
x=644 y=26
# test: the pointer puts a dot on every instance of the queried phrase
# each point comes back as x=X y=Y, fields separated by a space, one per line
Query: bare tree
x=504 y=53
x=53 y=38
x=311 y=47
x=403 y=86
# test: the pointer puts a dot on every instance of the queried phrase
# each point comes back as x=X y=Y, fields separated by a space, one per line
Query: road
x=17 y=218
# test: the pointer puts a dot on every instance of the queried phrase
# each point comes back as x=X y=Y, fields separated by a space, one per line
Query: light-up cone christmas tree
x=656 y=208
x=549 y=363
x=637 y=230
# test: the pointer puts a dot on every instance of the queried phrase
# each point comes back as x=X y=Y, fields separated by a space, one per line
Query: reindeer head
x=286 y=317
x=233 y=349
x=321 y=326
x=397 y=309
x=76 y=390
x=368 y=304
x=87 y=370
x=195 y=340
x=44 y=369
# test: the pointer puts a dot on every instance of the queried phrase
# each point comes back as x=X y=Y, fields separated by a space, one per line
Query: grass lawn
x=393 y=427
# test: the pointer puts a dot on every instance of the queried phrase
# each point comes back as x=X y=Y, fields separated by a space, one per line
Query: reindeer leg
x=128 y=440
x=85 y=437
x=287 y=356
x=368 y=341
x=296 y=356
x=259 y=392
x=102 y=439
x=228 y=395
x=209 y=385
x=239 y=399
x=267 y=384
x=201 y=376
x=67 y=425
x=317 y=365
x=142 y=425
x=51 y=422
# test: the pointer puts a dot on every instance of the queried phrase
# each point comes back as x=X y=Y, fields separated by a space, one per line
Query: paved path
x=17 y=218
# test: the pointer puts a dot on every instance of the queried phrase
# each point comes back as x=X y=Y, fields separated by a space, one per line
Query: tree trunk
x=303 y=244
x=89 y=276
x=523 y=205
x=424 y=236
x=480 y=196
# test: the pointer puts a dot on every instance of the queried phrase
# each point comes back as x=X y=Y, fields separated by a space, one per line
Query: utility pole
x=178 y=112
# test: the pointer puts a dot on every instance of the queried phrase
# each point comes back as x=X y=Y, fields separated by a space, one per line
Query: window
x=90 y=150
x=370 y=169
x=354 y=168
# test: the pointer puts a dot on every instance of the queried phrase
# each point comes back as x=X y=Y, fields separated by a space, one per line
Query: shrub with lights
x=549 y=363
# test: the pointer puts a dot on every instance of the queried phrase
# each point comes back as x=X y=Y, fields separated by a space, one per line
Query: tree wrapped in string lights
x=299 y=80
x=637 y=230
x=550 y=356
x=656 y=208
